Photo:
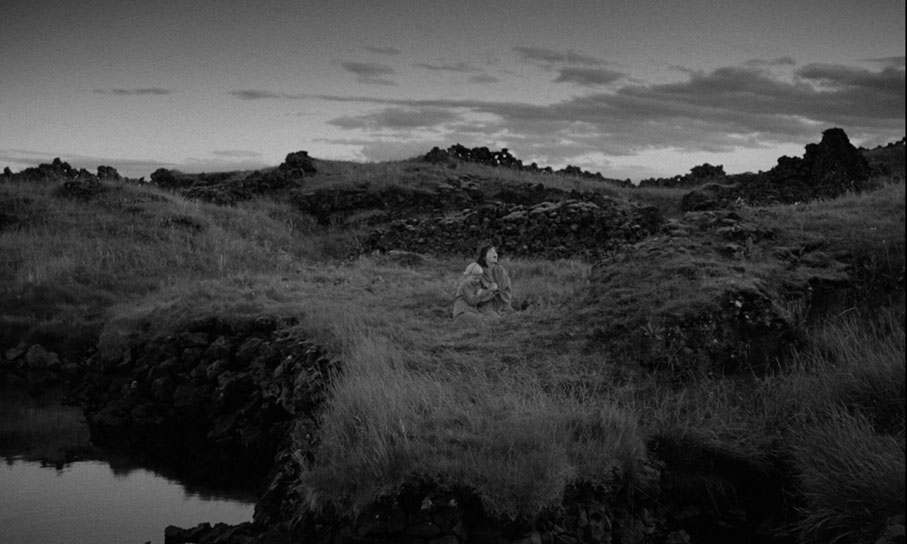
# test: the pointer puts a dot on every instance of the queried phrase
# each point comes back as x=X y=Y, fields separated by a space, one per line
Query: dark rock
x=704 y=173
x=178 y=535
x=80 y=189
x=561 y=229
x=835 y=165
x=108 y=173
x=828 y=169
x=222 y=195
x=169 y=179
x=39 y=358
x=298 y=164
x=504 y=159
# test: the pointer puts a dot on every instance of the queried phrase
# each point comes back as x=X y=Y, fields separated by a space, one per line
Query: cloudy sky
x=631 y=89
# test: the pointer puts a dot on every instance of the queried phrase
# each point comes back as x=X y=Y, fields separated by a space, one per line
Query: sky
x=632 y=89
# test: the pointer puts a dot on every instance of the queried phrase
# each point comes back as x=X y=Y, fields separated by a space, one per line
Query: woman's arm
x=503 y=280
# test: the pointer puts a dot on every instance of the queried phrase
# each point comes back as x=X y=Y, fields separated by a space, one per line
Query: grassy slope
x=517 y=411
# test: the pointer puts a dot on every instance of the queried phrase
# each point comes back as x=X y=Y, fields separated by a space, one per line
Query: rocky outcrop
x=108 y=173
x=828 y=169
x=704 y=173
x=713 y=311
x=503 y=159
x=377 y=205
x=887 y=160
x=565 y=229
x=217 y=396
x=229 y=188
x=56 y=170
x=36 y=369
x=80 y=189
x=298 y=165
x=426 y=512
x=833 y=166
x=676 y=507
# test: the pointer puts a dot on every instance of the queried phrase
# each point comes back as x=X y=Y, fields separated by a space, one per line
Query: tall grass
x=66 y=261
x=514 y=444
x=836 y=411
x=851 y=479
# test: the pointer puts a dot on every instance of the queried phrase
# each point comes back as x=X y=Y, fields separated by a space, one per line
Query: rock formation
x=565 y=229
x=225 y=392
x=503 y=159
x=228 y=188
x=828 y=169
x=704 y=173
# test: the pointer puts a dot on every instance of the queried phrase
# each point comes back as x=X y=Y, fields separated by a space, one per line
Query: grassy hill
x=608 y=375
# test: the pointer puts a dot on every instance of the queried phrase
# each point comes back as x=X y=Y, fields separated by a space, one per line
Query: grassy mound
x=579 y=387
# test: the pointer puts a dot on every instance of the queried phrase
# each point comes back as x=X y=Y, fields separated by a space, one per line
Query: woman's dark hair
x=483 y=251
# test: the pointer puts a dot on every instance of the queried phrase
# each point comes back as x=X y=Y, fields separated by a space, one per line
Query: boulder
x=835 y=166
x=828 y=169
x=298 y=164
x=108 y=173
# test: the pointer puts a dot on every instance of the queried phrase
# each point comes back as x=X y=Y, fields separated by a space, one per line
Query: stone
x=298 y=164
x=108 y=173
x=532 y=538
x=14 y=353
x=678 y=537
x=446 y=539
x=894 y=532
x=39 y=358
x=828 y=169
x=178 y=535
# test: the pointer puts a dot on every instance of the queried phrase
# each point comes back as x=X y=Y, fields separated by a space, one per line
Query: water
x=87 y=502
x=55 y=488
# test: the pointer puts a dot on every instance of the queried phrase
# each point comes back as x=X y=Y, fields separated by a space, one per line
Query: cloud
x=588 y=76
x=456 y=67
x=386 y=149
x=894 y=62
x=397 y=118
x=155 y=91
x=780 y=61
x=726 y=109
x=237 y=154
x=479 y=76
x=552 y=57
x=483 y=79
x=254 y=94
x=383 y=50
x=889 y=81
x=369 y=72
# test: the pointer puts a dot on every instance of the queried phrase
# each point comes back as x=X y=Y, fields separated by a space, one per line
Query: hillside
x=733 y=373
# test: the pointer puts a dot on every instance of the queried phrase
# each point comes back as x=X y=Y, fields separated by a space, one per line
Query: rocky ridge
x=504 y=159
x=228 y=188
x=573 y=228
x=227 y=392
x=828 y=169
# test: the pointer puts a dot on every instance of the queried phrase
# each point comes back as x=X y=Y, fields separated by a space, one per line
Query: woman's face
x=492 y=256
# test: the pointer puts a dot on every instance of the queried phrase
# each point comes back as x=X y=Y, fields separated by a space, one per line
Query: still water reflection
x=55 y=488
x=87 y=502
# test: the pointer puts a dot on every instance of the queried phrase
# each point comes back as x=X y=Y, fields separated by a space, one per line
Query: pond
x=56 y=487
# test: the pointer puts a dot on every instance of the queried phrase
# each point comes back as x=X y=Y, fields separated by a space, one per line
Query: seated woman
x=471 y=294
x=494 y=274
